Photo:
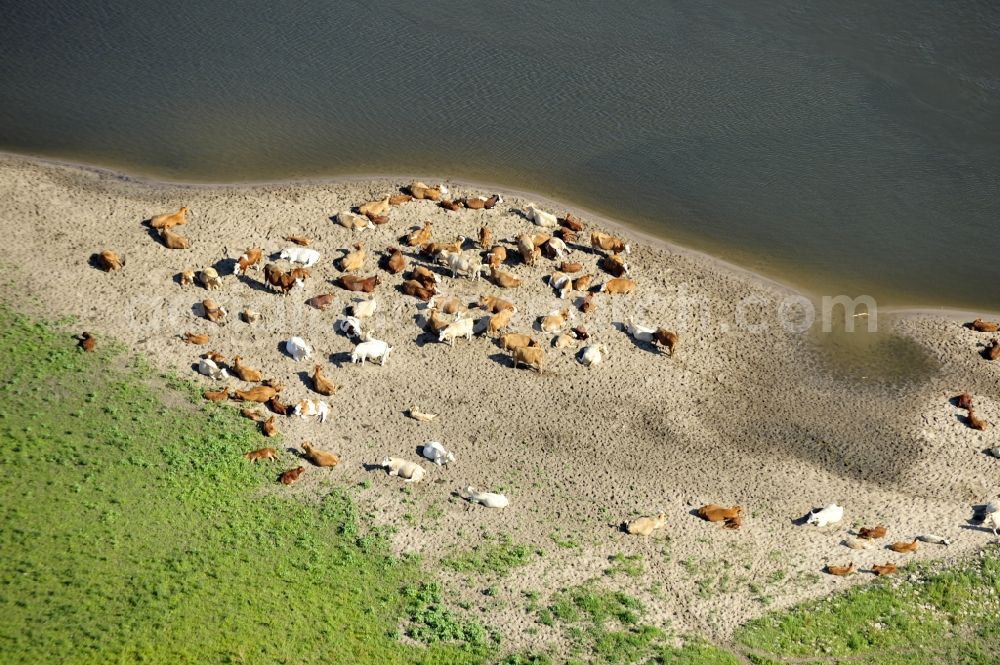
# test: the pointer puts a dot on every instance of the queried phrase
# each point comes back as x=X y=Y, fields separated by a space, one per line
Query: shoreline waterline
x=785 y=283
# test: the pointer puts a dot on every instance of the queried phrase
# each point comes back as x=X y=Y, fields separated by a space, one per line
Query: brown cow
x=493 y=305
x=582 y=283
x=320 y=457
x=322 y=302
x=87 y=342
x=618 y=285
x=615 y=265
x=109 y=261
x=510 y=341
x=257 y=394
x=975 y=422
x=496 y=256
x=715 y=513
x=173 y=240
x=353 y=260
x=421 y=236
x=352 y=283
x=504 y=279
x=261 y=453
x=984 y=326
x=499 y=321
x=213 y=311
x=532 y=356
x=603 y=241
x=904 y=547
x=169 y=220
x=395 y=263
x=251 y=257
x=425 y=276
x=290 y=476
x=871 y=532
x=321 y=384
x=414 y=288
x=886 y=569
x=375 y=208
x=667 y=339
x=194 y=338
x=571 y=222
x=246 y=373
x=217 y=396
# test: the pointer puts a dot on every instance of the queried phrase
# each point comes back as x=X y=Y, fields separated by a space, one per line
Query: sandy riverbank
x=765 y=419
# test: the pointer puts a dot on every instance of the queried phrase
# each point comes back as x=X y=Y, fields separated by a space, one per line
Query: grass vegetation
x=496 y=555
x=922 y=615
x=430 y=621
x=625 y=564
x=134 y=532
x=604 y=627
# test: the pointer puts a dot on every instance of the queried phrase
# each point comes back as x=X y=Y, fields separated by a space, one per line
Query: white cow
x=561 y=282
x=830 y=514
x=436 y=452
x=304 y=255
x=410 y=471
x=559 y=248
x=488 y=499
x=208 y=367
x=540 y=217
x=297 y=348
x=363 y=309
x=472 y=266
x=349 y=325
x=992 y=515
x=592 y=354
x=373 y=349
x=641 y=332
x=459 y=328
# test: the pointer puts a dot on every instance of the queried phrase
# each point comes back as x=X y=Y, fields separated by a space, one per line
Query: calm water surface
x=849 y=147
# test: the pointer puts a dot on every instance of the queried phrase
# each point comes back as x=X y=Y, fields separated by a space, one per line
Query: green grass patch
x=527 y=658
x=629 y=565
x=596 y=606
x=940 y=617
x=602 y=623
x=604 y=627
x=430 y=621
x=694 y=651
x=566 y=541
x=133 y=532
x=497 y=555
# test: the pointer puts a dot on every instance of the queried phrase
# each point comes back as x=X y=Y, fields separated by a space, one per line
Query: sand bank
x=749 y=411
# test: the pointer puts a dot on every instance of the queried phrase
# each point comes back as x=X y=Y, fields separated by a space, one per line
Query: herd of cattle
x=546 y=244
